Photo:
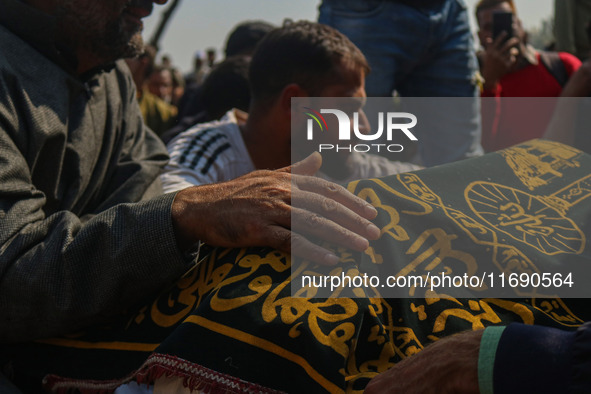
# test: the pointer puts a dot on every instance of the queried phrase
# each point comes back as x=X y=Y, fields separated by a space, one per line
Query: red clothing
x=510 y=121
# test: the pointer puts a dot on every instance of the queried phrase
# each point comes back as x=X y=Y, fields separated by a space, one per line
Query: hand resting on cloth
x=232 y=325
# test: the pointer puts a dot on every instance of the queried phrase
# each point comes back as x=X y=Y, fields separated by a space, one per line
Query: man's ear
x=290 y=91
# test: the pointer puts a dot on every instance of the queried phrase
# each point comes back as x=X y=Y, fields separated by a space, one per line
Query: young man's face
x=110 y=28
x=350 y=84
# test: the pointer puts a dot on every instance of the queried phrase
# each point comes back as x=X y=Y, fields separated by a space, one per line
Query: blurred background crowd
x=205 y=53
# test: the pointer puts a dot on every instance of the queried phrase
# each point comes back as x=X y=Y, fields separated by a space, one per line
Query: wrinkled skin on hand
x=447 y=366
x=256 y=210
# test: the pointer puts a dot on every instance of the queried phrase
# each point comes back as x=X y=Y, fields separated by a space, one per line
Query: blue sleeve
x=536 y=359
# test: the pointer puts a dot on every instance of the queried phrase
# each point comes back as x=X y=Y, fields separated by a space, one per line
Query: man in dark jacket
x=84 y=229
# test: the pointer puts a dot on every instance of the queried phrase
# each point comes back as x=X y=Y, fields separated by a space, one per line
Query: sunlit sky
x=200 y=24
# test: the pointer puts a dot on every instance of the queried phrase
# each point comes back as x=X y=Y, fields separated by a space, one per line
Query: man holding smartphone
x=512 y=68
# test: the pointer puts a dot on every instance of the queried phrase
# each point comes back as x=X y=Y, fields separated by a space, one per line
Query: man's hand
x=499 y=57
x=447 y=366
x=256 y=210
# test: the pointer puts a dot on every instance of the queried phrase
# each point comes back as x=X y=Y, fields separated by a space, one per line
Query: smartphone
x=503 y=22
